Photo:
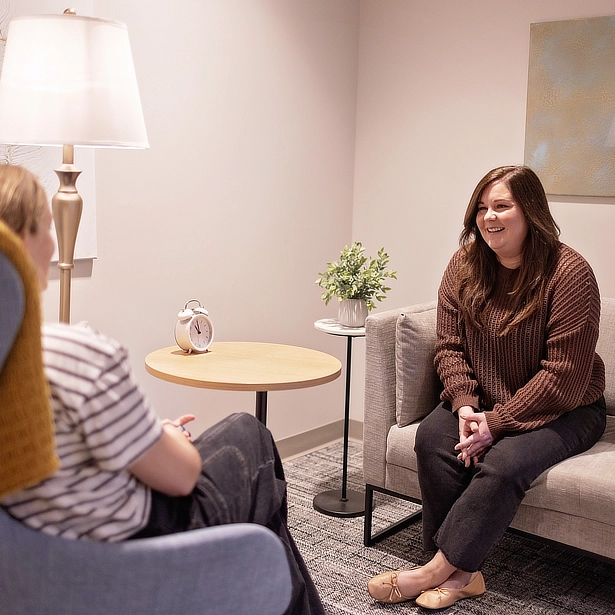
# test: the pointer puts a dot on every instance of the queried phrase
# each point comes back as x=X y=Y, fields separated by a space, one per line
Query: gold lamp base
x=66 y=207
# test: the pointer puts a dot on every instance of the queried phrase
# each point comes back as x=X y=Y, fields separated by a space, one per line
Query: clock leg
x=261 y=406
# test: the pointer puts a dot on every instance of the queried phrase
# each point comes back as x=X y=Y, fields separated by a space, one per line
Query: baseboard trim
x=316 y=438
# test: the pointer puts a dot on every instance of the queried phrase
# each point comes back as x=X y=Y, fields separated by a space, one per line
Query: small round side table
x=341 y=503
x=245 y=366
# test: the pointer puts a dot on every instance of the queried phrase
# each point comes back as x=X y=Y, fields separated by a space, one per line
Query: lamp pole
x=66 y=206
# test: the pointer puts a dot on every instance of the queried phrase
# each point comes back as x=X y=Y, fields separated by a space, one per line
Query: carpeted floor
x=523 y=576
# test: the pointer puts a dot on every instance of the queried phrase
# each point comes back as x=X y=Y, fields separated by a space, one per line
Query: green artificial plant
x=356 y=276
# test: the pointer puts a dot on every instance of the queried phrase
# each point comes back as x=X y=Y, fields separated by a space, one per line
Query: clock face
x=200 y=332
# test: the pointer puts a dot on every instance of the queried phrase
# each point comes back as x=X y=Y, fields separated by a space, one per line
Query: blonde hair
x=22 y=199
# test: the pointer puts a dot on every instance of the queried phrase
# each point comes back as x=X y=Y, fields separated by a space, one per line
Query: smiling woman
x=517 y=327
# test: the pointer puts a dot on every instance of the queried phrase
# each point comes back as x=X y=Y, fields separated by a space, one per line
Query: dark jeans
x=466 y=510
x=242 y=481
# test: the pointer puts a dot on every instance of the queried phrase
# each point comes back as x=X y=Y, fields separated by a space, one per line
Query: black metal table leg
x=342 y=503
x=261 y=406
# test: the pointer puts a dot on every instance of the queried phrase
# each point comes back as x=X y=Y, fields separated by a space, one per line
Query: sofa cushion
x=400 y=446
x=417 y=384
x=581 y=486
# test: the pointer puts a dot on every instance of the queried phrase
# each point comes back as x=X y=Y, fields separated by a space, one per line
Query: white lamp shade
x=69 y=80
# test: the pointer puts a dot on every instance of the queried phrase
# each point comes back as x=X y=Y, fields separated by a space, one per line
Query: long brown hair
x=478 y=271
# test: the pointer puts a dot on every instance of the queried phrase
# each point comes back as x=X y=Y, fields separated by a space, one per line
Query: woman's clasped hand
x=474 y=435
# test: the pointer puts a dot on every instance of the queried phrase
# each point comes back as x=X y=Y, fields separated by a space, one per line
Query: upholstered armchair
x=236 y=569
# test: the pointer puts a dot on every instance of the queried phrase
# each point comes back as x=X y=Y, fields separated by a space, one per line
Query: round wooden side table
x=245 y=366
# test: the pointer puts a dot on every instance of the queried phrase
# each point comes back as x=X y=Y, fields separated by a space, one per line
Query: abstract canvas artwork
x=569 y=139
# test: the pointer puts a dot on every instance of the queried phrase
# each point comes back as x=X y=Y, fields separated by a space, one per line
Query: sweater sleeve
x=570 y=364
x=460 y=385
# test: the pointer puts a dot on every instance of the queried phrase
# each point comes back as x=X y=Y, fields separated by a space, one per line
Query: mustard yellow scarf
x=27 y=443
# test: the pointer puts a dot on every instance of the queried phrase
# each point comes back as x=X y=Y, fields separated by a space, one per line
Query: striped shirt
x=103 y=425
x=545 y=366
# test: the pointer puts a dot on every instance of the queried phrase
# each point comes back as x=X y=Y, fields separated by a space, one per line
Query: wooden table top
x=245 y=366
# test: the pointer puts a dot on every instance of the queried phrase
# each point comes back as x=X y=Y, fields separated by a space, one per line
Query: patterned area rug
x=523 y=576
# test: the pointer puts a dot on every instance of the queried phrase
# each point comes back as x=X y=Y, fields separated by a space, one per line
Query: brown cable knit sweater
x=545 y=366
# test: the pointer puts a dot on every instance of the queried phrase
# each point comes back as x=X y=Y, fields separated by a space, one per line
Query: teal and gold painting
x=570 y=122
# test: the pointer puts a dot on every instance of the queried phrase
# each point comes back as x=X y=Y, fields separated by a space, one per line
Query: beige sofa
x=572 y=503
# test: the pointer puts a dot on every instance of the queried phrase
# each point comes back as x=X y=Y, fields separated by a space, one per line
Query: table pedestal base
x=331 y=503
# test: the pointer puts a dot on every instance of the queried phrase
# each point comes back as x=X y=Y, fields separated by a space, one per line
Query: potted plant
x=357 y=281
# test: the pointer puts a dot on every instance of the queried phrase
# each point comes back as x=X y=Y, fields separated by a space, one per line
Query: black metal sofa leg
x=370 y=540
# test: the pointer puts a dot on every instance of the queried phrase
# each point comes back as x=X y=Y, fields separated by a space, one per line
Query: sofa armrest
x=379 y=408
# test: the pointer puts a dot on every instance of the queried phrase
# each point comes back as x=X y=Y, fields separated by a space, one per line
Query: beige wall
x=243 y=196
x=281 y=130
x=441 y=100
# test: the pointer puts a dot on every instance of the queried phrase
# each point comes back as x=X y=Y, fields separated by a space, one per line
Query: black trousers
x=242 y=481
x=467 y=510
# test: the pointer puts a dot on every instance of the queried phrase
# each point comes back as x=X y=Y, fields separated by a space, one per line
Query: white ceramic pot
x=352 y=312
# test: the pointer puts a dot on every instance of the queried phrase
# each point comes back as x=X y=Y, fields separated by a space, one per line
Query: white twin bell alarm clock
x=194 y=331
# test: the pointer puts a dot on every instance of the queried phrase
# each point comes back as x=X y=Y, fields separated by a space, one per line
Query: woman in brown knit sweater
x=518 y=318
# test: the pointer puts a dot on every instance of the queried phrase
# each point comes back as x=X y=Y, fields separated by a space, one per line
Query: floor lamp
x=69 y=80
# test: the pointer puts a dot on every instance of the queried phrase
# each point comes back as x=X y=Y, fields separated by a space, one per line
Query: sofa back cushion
x=417 y=386
x=606 y=349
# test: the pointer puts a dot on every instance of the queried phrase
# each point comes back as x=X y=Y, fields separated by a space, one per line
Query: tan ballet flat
x=442 y=597
x=383 y=587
